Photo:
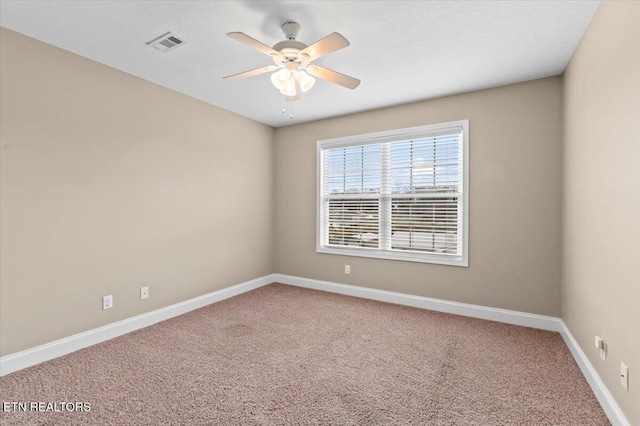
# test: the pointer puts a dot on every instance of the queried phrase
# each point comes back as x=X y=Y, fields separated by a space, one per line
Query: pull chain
x=284 y=109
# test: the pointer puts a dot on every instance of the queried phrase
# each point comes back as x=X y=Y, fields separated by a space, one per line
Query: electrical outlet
x=347 y=269
x=624 y=376
x=144 y=293
x=107 y=302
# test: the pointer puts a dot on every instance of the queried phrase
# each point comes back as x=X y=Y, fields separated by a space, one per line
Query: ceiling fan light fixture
x=291 y=83
x=280 y=78
x=305 y=80
x=290 y=87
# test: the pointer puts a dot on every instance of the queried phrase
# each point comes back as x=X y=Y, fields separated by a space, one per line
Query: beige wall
x=601 y=209
x=515 y=149
x=110 y=183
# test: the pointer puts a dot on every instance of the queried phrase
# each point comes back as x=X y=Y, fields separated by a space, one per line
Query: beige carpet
x=288 y=356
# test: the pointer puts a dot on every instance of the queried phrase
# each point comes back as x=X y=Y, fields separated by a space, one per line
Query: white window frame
x=390 y=136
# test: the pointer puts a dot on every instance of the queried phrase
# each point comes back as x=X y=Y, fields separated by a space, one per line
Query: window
x=399 y=195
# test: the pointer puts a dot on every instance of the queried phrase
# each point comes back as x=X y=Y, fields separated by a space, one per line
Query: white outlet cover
x=107 y=302
x=144 y=293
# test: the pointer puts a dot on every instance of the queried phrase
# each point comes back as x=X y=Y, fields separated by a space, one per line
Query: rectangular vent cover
x=166 y=42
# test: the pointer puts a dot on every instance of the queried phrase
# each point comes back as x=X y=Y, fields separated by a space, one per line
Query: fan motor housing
x=289 y=50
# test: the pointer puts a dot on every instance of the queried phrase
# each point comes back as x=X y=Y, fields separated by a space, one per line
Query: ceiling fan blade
x=251 y=73
x=252 y=42
x=331 y=43
x=333 y=77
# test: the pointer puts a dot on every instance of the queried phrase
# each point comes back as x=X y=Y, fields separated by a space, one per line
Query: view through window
x=398 y=195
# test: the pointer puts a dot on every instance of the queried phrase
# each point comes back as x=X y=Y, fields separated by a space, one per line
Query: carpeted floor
x=290 y=356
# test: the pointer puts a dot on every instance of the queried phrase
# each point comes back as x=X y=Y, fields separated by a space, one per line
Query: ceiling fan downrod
x=291 y=30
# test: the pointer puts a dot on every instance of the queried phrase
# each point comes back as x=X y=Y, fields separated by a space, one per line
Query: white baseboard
x=609 y=405
x=476 y=311
x=33 y=356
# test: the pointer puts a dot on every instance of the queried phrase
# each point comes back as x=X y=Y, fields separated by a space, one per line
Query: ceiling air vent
x=166 y=42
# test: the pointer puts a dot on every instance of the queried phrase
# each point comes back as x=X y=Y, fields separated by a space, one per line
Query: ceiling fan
x=293 y=60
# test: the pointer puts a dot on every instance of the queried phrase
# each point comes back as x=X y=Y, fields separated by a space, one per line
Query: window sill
x=407 y=257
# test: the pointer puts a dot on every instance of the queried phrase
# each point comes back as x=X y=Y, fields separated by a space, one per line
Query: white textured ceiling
x=403 y=51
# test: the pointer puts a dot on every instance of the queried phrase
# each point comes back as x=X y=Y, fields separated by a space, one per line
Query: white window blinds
x=399 y=195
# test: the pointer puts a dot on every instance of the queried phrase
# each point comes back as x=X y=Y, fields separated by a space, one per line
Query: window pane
x=425 y=225
x=425 y=165
x=353 y=169
x=353 y=222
